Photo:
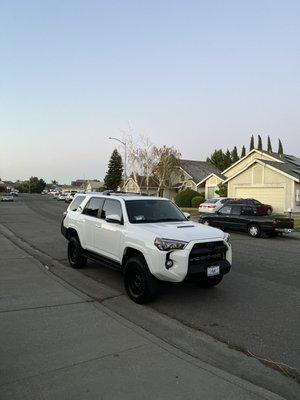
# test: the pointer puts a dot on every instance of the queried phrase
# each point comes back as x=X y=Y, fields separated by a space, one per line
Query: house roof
x=198 y=170
x=142 y=182
x=283 y=167
x=218 y=174
x=95 y=184
x=274 y=156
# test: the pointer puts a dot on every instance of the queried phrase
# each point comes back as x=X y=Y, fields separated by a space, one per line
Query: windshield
x=146 y=211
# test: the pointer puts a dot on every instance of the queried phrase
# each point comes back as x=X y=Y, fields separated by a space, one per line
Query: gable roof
x=217 y=174
x=142 y=181
x=284 y=168
x=273 y=156
x=198 y=170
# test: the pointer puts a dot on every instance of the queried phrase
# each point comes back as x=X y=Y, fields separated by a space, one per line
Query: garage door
x=268 y=195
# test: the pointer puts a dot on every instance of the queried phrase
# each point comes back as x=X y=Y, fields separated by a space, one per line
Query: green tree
x=222 y=191
x=218 y=159
x=280 y=147
x=227 y=159
x=259 y=144
x=184 y=197
x=269 y=145
x=243 y=153
x=33 y=185
x=251 y=143
x=234 y=155
x=114 y=173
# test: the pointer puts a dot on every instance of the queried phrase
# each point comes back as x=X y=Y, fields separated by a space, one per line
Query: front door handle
x=98 y=226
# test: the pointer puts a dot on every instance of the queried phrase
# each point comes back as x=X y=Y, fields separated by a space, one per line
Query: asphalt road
x=255 y=308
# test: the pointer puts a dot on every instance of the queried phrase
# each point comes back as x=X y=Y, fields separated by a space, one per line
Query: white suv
x=148 y=238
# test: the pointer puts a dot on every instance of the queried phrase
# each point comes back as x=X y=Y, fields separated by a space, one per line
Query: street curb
x=115 y=304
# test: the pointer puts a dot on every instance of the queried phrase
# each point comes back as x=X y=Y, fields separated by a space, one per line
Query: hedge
x=197 y=200
x=184 y=197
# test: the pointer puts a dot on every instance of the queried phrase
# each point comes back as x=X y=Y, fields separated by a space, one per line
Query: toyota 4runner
x=148 y=238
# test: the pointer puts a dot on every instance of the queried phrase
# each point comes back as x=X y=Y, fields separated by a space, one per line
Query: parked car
x=61 y=196
x=262 y=209
x=14 y=193
x=212 y=205
x=148 y=238
x=7 y=197
x=242 y=217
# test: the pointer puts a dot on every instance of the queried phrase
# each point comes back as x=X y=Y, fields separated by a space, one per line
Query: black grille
x=206 y=253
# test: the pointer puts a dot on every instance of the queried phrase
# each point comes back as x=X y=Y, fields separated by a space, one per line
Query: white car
x=7 y=197
x=61 y=197
x=212 y=205
x=148 y=238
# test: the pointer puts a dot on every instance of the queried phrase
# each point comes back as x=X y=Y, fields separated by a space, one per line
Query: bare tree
x=148 y=159
x=168 y=162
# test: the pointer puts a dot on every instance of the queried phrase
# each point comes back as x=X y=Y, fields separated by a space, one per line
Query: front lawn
x=192 y=211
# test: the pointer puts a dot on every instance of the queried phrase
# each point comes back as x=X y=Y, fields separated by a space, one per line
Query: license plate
x=215 y=270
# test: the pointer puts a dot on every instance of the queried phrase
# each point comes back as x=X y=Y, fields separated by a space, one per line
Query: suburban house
x=267 y=177
x=139 y=185
x=189 y=174
x=94 y=186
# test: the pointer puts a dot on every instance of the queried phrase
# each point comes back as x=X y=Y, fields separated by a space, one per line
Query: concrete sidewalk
x=58 y=343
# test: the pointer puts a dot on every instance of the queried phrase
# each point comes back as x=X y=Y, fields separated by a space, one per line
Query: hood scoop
x=186 y=226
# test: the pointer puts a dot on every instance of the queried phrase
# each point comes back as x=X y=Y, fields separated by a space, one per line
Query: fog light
x=169 y=264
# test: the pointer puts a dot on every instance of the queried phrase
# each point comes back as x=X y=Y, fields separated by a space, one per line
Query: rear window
x=76 y=202
x=211 y=201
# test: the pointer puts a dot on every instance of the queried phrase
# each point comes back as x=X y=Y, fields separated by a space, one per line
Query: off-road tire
x=141 y=286
x=75 y=257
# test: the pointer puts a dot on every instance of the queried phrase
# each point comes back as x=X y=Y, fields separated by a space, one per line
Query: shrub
x=184 y=198
x=197 y=200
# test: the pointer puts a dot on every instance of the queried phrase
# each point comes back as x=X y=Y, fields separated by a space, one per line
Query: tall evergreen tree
x=228 y=160
x=234 y=155
x=269 y=145
x=259 y=144
x=243 y=153
x=280 y=147
x=251 y=143
x=115 y=170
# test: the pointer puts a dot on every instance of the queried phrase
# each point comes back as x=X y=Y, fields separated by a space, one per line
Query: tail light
x=65 y=214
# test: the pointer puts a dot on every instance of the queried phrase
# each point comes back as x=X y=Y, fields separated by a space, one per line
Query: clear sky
x=199 y=75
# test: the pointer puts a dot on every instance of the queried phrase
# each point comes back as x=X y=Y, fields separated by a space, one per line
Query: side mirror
x=114 y=219
x=187 y=215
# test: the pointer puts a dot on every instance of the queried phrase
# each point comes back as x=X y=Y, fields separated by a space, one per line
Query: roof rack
x=120 y=193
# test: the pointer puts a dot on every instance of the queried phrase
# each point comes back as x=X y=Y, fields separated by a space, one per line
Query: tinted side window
x=111 y=207
x=248 y=211
x=236 y=210
x=93 y=207
x=76 y=202
x=225 y=210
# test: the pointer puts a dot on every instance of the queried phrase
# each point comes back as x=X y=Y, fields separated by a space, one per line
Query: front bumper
x=182 y=267
x=284 y=230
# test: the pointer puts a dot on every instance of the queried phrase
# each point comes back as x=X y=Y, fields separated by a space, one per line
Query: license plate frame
x=213 y=270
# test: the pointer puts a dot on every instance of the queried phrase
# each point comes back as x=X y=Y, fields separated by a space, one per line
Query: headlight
x=227 y=238
x=169 y=244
